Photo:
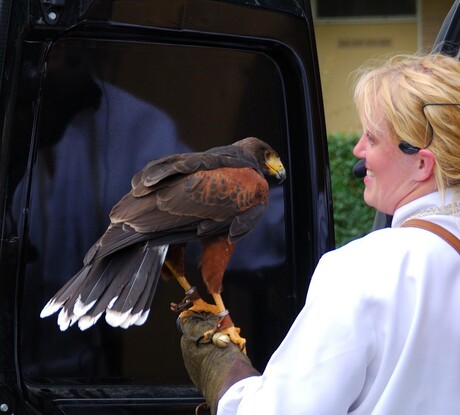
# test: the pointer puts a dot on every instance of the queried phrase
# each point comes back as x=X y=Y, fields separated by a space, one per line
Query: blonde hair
x=419 y=97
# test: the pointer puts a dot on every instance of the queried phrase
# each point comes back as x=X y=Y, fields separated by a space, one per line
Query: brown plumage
x=216 y=196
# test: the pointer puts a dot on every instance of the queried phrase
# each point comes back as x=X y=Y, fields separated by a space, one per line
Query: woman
x=380 y=331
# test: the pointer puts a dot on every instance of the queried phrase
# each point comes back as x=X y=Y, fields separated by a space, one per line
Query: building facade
x=350 y=32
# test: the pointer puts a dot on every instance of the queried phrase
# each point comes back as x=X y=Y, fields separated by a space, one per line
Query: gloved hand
x=211 y=368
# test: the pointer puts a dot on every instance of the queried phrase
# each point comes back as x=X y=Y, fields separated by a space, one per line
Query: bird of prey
x=216 y=196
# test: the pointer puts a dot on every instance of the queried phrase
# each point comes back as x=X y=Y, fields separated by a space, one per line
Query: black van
x=90 y=91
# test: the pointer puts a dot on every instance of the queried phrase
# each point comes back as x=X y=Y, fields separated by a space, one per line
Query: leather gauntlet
x=211 y=368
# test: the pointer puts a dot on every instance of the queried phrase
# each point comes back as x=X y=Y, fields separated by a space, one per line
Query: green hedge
x=352 y=217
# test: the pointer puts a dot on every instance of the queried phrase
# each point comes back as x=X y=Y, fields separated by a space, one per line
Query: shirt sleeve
x=320 y=367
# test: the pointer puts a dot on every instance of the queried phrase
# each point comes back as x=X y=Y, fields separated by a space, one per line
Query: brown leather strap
x=438 y=230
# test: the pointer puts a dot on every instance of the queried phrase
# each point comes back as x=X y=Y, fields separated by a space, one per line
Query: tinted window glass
x=356 y=8
x=107 y=108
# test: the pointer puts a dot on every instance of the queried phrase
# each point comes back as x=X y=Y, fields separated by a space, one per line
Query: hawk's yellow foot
x=200 y=306
x=193 y=303
x=225 y=326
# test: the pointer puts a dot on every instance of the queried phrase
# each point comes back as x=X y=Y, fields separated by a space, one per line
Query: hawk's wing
x=225 y=201
x=156 y=171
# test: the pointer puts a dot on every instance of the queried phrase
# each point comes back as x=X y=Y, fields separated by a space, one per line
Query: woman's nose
x=359 y=149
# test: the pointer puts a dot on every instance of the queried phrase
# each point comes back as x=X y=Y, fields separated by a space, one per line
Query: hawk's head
x=268 y=159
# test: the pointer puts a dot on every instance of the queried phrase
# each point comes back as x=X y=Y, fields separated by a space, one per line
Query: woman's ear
x=427 y=162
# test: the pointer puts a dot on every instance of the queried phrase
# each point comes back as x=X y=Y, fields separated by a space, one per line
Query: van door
x=91 y=91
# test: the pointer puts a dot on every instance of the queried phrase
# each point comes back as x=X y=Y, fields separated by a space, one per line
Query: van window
x=106 y=109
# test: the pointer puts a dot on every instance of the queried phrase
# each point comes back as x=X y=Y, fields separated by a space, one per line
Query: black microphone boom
x=359 y=169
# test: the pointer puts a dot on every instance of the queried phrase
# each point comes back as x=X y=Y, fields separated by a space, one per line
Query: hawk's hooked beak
x=275 y=167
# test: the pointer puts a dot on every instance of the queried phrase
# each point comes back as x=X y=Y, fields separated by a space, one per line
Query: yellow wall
x=342 y=48
x=432 y=14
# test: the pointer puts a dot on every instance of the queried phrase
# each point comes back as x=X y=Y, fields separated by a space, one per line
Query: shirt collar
x=424 y=203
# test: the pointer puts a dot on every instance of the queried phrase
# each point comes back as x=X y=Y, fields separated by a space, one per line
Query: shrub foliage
x=352 y=217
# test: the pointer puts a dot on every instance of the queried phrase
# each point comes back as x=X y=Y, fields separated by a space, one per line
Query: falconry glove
x=212 y=369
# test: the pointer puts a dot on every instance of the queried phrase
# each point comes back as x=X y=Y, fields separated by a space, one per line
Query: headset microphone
x=359 y=169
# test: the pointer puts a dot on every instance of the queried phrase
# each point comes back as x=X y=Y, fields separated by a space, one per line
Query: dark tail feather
x=109 y=276
x=98 y=287
x=100 y=278
x=66 y=292
x=129 y=307
x=142 y=307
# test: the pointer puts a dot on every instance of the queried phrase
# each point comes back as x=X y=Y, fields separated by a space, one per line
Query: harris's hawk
x=216 y=196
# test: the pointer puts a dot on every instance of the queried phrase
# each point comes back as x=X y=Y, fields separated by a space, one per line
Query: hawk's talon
x=200 y=306
x=187 y=302
x=231 y=332
x=193 y=303
x=225 y=326
x=183 y=305
x=201 y=340
x=218 y=339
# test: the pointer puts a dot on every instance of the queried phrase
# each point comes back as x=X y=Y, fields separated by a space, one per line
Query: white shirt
x=379 y=333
